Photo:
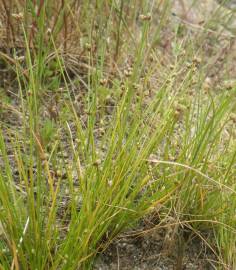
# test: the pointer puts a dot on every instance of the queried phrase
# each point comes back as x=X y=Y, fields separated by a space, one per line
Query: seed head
x=197 y=60
x=97 y=162
x=146 y=17
x=233 y=118
x=122 y=86
x=103 y=82
x=20 y=58
x=88 y=46
x=207 y=84
x=49 y=31
x=18 y=16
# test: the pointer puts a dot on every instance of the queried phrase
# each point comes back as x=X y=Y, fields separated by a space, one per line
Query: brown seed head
x=97 y=162
x=103 y=81
x=146 y=17
x=18 y=16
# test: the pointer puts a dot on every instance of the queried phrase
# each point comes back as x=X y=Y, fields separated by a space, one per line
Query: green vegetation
x=120 y=109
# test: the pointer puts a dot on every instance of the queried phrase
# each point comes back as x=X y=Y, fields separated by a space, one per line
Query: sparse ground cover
x=117 y=135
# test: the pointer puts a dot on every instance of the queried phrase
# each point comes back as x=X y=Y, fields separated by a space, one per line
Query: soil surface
x=155 y=252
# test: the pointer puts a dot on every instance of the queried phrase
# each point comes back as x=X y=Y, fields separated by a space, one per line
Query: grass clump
x=115 y=115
